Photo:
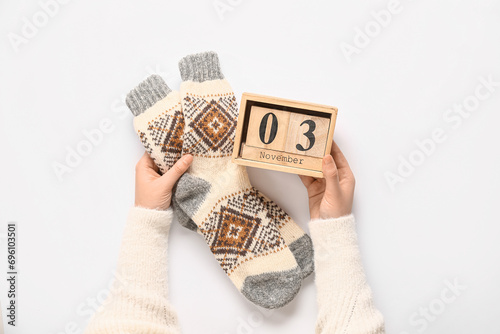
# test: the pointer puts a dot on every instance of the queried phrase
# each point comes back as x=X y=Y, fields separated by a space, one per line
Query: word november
x=280 y=157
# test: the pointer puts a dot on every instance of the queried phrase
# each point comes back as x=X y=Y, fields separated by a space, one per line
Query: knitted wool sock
x=160 y=125
x=216 y=194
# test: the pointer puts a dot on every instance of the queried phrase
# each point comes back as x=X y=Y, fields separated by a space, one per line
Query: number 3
x=309 y=134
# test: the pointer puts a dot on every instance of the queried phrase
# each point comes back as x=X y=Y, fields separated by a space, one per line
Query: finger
x=342 y=165
x=330 y=172
x=306 y=180
x=174 y=173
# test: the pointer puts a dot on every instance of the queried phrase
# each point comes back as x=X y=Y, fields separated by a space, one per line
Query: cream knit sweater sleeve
x=138 y=300
x=345 y=302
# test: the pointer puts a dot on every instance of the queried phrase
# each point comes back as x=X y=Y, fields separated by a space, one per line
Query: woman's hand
x=332 y=196
x=152 y=190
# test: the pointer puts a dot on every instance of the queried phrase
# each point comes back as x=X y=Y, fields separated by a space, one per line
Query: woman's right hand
x=332 y=196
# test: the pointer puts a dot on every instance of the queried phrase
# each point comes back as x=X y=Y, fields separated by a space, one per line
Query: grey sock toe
x=272 y=290
x=303 y=251
x=146 y=94
x=182 y=217
x=200 y=67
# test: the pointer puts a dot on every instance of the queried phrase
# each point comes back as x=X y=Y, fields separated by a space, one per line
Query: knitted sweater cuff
x=158 y=219
x=333 y=228
x=146 y=94
x=200 y=67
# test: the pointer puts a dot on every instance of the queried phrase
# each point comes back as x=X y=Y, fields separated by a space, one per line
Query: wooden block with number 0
x=284 y=135
x=267 y=128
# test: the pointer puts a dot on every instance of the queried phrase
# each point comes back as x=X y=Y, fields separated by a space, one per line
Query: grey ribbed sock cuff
x=200 y=67
x=146 y=94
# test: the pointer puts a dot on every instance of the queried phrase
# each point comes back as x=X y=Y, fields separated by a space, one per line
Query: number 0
x=263 y=127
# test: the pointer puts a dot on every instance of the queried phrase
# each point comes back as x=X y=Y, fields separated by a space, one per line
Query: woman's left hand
x=152 y=190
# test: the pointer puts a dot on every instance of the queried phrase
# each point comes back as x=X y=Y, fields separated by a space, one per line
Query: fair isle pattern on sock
x=212 y=124
x=164 y=132
x=217 y=195
x=235 y=232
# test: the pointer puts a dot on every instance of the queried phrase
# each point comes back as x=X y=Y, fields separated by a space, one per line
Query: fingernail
x=188 y=158
x=328 y=159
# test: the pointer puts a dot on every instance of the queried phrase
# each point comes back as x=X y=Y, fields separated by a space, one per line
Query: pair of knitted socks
x=261 y=249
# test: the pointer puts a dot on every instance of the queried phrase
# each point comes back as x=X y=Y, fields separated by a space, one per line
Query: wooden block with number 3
x=307 y=135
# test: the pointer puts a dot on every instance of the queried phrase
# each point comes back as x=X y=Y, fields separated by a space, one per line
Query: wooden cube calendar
x=283 y=135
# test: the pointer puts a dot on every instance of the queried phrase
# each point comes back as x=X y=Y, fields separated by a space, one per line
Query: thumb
x=173 y=174
x=331 y=174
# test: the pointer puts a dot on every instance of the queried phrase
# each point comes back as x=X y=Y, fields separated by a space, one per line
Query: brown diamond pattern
x=239 y=228
x=211 y=124
x=166 y=133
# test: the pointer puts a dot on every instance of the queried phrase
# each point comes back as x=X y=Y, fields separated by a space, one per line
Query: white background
x=440 y=224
